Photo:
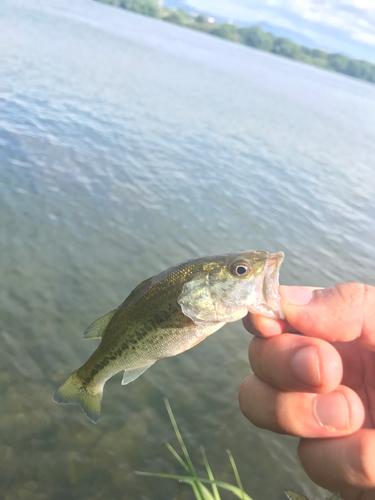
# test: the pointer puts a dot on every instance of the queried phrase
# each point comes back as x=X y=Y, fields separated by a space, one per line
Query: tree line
x=253 y=36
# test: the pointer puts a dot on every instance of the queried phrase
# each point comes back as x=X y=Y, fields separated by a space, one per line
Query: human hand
x=319 y=386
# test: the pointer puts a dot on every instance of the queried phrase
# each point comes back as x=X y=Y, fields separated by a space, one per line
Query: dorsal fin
x=96 y=329
x=133 y=295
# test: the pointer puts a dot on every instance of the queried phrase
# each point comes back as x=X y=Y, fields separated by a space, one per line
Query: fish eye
x=240 y=269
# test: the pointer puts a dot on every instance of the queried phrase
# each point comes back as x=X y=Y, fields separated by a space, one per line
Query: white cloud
x=368 y=38
x=356 y=17
x=363 y=4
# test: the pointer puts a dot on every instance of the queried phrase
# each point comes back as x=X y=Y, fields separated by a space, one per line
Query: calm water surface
x=126 y=146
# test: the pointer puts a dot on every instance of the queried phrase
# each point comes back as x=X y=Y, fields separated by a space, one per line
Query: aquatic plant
x=198 y=484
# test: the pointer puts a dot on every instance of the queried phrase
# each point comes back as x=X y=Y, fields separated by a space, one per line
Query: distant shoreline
x=254 y=37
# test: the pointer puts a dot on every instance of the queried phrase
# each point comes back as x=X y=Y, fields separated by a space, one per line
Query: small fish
x=169 y=314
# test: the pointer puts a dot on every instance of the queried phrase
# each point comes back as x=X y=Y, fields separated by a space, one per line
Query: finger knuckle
x=352 y=294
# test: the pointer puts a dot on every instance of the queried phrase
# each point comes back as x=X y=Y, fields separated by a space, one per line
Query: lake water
x=128 y=145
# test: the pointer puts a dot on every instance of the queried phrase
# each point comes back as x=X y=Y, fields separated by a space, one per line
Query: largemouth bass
x=169 y=314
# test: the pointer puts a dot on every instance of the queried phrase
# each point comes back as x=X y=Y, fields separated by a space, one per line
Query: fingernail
x=305 y=365
x=295 y=295
x=332 y=411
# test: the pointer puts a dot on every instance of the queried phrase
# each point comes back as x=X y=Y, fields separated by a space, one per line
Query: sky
x=346 y=26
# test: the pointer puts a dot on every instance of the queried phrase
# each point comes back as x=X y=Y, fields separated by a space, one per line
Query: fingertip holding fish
x=170 y=313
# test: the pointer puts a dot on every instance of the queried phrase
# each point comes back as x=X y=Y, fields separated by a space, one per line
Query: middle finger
x=296 y=363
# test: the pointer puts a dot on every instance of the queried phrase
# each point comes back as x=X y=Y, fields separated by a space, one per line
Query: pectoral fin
x=130 y=375
x=96 y=329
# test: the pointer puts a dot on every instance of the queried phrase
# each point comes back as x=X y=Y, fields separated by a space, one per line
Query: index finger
x=341 y=313
x=261 y=326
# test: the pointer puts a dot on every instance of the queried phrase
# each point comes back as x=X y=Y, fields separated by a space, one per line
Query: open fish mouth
x=268 y=285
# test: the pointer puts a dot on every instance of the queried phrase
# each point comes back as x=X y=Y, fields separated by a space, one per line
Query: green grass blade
x=186 y=467
x=197 y=487
x=206 y=495
x=215 y=490
x=235 y=470
x=200 y=490
x=178 y=435
x=177 y=457
x=190 y=480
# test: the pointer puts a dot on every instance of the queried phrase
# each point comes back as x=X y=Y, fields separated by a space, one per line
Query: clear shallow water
x=127 y=145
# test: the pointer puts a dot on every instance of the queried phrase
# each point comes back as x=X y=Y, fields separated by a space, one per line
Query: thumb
x=340 y=313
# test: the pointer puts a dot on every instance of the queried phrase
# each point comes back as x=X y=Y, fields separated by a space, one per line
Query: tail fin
x=74 y=391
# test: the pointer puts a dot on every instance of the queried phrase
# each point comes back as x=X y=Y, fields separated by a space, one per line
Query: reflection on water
x=128 y=145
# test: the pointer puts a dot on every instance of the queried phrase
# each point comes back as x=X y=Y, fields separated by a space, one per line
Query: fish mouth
x=268 y=285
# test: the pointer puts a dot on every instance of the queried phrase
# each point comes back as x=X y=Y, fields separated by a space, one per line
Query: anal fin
x=130 y=375
x=96 y=329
